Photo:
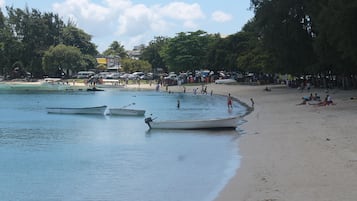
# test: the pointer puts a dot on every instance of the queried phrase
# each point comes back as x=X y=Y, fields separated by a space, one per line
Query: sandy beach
x=292 y=152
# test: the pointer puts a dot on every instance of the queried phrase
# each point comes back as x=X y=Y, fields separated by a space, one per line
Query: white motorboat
x=219 y=123
x=126 y=112
x=83 y=110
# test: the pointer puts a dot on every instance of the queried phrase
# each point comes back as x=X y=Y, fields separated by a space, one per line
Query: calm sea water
x=47 y=157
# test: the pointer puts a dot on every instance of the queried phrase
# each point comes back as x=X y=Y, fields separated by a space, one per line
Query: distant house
x=136 y=52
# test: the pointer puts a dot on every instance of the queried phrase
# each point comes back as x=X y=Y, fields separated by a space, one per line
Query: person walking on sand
x=251 y=100
x=229 y=101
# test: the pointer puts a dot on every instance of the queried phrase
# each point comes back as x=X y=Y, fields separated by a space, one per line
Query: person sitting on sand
x=316 y=97
x=267 y=88
x=327 y=101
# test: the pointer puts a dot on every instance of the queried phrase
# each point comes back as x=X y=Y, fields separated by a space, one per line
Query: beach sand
x=292 y=152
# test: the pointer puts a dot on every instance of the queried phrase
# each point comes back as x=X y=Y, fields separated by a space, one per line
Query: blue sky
x=135 y=22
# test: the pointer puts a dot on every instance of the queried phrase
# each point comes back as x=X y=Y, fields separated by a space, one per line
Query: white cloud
x=182 y=11
x=135 y=20
x=82 y=9
x=2 y=3
x=119 y=4
x=220 y=16
x=130 y=22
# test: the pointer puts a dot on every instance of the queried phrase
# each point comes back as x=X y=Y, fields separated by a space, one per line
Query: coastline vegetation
x=312 y=41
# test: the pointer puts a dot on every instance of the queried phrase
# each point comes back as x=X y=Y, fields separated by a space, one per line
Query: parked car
x=85 y=74
x=113 y=76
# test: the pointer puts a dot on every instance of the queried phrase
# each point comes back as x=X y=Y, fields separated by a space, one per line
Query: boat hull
x=85 y=110
x=223 y=123
x=126 y=112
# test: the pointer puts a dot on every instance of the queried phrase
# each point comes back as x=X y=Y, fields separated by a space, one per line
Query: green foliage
x=133 y=65
x=102 y=67
x=25 y=36
x=336 y=41
x=62 y=57
x=284 y=27
x=115 y=49
x=73 y=36
x=309 y=37
x=186 y=51
x=253 y=57
x=152 y=53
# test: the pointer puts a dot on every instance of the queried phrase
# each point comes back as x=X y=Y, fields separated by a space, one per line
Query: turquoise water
x=85 y=157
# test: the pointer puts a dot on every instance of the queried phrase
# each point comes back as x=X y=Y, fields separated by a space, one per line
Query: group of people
x=316 y=100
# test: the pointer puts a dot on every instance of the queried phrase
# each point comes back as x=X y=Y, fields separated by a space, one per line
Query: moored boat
x=126 y=112
x=219 y=123
x=94 y=89
x=100 y=110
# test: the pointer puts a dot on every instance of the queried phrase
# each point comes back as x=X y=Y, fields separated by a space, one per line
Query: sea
x=58 y=157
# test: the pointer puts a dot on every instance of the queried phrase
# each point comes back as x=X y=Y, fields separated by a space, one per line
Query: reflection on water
x=88 y=157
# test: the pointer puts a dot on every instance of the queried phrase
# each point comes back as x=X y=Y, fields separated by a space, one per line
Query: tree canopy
x=62 y=58
x=116 y=49
x=26 y=34
x=284 y=36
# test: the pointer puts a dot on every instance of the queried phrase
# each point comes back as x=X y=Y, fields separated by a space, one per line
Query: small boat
x=84 y=110
x=219 y=123
x=126 y=112
x=94 y=89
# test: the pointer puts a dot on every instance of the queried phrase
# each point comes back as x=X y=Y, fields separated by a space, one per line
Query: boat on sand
x=100 y=110
x=218 y=123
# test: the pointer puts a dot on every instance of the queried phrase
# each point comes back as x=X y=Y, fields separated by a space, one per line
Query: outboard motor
x=148 y=120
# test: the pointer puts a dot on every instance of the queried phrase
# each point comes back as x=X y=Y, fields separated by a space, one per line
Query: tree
x=186 y=51
x=133 y=65
x=115 y=49
x=224 y=53
x=285 y=28
x=34 y=33
x=9 y=46
x=253 y=57
x=73 y=36
x=62 y=58
x=25 y=35
x=336 y=42
x=152 y=53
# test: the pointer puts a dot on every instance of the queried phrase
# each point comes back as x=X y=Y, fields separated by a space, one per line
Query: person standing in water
x=251 y=100
x=178 y=104
x=229 y=101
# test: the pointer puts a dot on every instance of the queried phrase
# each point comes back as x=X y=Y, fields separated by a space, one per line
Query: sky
x=135 y=22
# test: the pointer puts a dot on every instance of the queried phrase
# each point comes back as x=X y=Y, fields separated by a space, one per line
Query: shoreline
x=294 y=152
x=290 y=152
